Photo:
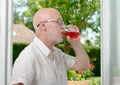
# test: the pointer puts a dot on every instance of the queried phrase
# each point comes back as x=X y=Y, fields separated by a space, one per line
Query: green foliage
x=17 y=48
x=73 y=76
x=17 y=9
x=84 y=75
x=94 y=54
x=95 y=81
x=77 y=12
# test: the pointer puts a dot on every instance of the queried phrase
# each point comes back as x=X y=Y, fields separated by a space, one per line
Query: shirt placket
x=55 y=67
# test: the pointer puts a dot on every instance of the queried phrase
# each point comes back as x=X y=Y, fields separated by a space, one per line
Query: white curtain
x=115 y=38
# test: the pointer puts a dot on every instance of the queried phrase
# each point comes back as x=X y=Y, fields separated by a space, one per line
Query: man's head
x=48 y=25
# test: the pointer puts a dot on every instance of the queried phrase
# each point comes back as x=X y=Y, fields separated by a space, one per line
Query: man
x=41 y=63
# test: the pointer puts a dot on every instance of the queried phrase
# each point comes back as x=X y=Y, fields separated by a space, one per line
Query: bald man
x=40 y=63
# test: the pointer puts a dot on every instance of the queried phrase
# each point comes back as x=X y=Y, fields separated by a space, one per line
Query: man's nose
x=62 y=26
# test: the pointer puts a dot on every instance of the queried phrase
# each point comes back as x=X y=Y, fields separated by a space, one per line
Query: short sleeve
x=69 y=60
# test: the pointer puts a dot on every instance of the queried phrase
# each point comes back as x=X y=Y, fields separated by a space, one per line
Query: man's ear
x=43 y=27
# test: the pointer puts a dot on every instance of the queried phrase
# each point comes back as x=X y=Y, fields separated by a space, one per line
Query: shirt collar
x=45 y=50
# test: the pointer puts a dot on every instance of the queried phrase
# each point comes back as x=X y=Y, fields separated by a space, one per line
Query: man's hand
x=75 y=42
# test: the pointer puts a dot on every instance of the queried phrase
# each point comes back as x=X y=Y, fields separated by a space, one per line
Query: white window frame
x=105 y=42
x=110 y=39
x=5 y=41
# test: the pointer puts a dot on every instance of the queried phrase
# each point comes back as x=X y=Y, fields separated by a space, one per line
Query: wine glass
x=70 y=31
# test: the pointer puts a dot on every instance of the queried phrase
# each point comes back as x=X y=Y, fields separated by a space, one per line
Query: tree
x=78 y=12
x=83 y=13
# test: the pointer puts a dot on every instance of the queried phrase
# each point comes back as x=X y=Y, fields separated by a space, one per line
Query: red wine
x=71 y=34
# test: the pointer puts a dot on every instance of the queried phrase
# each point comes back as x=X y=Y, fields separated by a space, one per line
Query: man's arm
x=81 y=60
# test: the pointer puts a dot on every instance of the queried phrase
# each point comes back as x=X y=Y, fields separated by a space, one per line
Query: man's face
x=54 y=30
x=52 y=24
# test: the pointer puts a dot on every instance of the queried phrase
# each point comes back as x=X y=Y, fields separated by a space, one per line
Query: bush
x=73 y=76
x=94 y=54
x=95 y=81
x=17 y=48
x=84 y=75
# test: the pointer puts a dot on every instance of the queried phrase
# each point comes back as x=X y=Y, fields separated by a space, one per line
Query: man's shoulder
x=27 y=51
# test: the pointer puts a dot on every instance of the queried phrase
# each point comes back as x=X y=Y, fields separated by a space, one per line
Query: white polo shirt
x=37 y=65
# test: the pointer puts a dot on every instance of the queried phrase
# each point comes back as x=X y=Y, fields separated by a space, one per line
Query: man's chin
x=59 y=41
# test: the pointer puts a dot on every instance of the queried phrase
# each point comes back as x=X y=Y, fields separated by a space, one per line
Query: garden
x=83 y=78
x=83 y=13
